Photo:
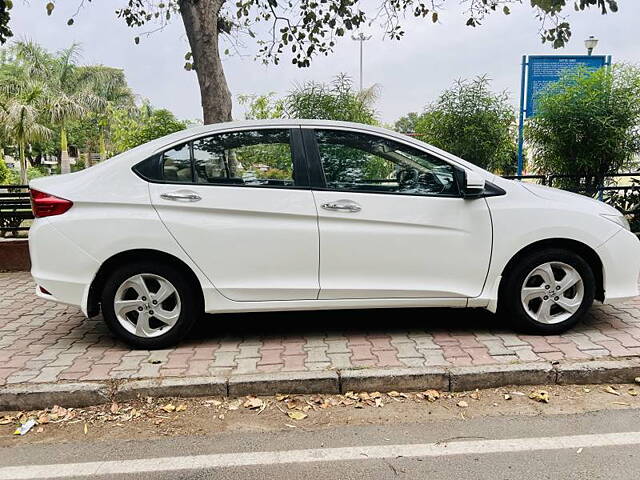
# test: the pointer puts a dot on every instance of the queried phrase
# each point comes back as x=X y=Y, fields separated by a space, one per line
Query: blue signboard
x=538 y=72
x=547 y=69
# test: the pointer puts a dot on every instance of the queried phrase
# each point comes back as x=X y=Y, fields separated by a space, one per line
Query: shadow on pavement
x=380 y=321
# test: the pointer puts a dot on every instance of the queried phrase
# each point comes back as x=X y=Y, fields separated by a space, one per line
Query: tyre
x=547 y=292
x=149 y=305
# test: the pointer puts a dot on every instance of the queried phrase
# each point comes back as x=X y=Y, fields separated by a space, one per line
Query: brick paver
x=45 y=342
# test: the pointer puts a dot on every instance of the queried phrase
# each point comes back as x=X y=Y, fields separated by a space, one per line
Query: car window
x=176 y=164
x=355 y=161
x=253 y=158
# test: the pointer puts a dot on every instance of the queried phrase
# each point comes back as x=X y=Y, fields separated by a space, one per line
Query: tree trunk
x=200 y=18
x=24 y=179
x=65 y=165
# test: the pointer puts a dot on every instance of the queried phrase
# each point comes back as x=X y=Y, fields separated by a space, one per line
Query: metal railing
x=15 y=209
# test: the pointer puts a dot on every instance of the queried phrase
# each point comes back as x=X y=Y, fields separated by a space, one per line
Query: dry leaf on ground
x=612 y=391
x=462 y=404
x=297 y=415
x=540 y=396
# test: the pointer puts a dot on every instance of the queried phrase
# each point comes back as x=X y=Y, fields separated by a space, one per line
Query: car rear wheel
x=548 y=292
x=149 y=305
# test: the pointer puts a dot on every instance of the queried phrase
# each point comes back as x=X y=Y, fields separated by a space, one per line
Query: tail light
x=46 y=205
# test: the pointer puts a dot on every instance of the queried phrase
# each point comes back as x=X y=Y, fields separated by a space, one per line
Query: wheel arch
x=579 y=248
x=128 y=256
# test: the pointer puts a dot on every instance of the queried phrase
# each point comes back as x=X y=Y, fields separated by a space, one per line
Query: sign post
x=540 y=71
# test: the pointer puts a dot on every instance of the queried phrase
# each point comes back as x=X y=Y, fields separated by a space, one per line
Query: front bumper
x=620 y=257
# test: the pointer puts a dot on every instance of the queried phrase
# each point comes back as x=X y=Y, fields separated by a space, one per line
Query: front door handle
x=181 y=196
x=342 y=206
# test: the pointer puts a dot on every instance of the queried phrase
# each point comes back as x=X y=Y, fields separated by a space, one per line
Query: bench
x=15 y=208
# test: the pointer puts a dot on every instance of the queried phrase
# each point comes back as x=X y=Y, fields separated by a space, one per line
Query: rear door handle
x=342 y=206
x=181 y=196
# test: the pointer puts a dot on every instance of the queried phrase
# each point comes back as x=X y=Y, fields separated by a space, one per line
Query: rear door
x=240 y=205
x=392 y=221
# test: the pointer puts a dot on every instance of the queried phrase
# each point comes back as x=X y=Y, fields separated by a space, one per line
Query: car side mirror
x=473 y=185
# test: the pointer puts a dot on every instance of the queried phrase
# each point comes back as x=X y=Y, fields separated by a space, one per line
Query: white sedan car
x=305 y=214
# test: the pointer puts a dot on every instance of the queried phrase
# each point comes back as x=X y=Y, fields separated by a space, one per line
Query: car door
x=240 y=205
x=392 y=221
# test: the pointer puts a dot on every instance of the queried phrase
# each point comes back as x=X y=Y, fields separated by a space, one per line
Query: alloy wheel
x=552 y=292
x=147 y=305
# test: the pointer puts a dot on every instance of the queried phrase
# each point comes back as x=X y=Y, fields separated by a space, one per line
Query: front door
x=240 y=206
x=392 y=221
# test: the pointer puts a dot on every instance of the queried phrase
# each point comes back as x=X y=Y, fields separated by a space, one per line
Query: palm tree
x=110 y=85
x=70 y=95
x=20 y=117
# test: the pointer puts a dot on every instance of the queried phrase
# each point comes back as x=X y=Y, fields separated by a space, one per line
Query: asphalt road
x=604 y=444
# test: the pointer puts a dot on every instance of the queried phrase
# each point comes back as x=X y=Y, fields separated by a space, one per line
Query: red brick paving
x=42 y=342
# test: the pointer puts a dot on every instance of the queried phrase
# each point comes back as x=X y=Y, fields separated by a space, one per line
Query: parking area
x=46 y=342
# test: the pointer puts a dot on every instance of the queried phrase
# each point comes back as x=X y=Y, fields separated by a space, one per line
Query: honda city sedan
x=305 y=214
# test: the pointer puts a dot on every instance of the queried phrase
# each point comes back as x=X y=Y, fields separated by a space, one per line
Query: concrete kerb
x=45 y=395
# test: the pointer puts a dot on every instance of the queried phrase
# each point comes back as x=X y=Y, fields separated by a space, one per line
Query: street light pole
x=361 y=37
x=591 y=43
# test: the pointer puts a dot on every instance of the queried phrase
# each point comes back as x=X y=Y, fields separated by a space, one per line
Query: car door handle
x=181 y=196
x=342 y=206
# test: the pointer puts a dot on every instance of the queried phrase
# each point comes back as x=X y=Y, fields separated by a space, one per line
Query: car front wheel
x=548 y=292
x=149 y=305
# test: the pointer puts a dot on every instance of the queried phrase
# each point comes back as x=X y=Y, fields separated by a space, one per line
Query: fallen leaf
x=280 y=397
x=181 y=408
x=475 y=395
x=253 y=403
x=297 y=415
x=114 y=407
x=540 y=396
x=462 y=404
x=214 y=403
x=169 y=407
x=378 y=402
x=586 y=390
x=43 y=419
x=394 y=394
x=612 y=391
x=40 y=430
x=86 y=428
x=431 y=395
x=633 y=392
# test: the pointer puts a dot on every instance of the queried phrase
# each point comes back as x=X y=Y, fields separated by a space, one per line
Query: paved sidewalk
x=43 y=342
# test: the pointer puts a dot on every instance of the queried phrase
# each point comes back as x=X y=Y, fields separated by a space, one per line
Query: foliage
x=130 y=129
x=262 y=107
x=628 y=201
x=472 y=122
x=588 y=125
x=407 y=124
x=5 y=173
x=332 y=101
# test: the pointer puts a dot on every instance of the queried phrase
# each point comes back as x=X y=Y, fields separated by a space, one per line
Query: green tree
x=472 y=122
x=305 y=29
x=21 y=118
x=130 y=129
x=337 y=100
x=407 y=124
x=110 y=85
x=69 y=91
x=262 y=107
x=587 y=125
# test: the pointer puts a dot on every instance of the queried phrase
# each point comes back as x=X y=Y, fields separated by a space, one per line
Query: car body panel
x=114 y=212
x=403 y=246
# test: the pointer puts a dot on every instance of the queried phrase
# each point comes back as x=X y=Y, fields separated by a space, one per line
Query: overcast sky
x=410 y=73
